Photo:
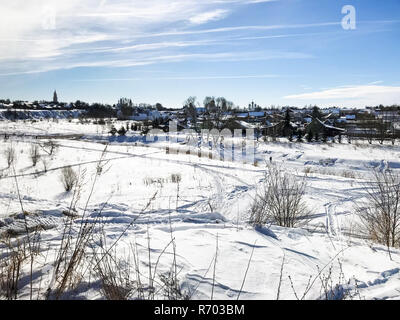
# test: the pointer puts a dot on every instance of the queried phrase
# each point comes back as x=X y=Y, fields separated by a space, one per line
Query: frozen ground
x=206 y=212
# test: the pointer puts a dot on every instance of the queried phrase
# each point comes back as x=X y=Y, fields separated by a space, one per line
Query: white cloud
x=208 y=16
x=237 y=29
x=49 y=33
x=100 y=32
x=120 y=33
x=376 y=82
x=360 y=96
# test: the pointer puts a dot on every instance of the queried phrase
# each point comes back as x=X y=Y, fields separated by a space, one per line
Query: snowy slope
x=206 y=212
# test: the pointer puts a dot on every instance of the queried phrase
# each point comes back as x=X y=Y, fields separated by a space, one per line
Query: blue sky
x=282 y=52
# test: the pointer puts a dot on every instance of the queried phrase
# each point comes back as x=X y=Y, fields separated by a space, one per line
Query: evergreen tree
x=299 y=136
x=287 y=117
x=309 y=136
x=155 y=123
x=125 y=106
x=113 y=131
x=287 y=127
x=122 y=131
x=316 y=113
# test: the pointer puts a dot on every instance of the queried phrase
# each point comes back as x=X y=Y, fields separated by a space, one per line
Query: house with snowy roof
x=316 y=126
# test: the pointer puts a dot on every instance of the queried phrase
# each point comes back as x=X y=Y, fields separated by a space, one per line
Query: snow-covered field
x=206 y=213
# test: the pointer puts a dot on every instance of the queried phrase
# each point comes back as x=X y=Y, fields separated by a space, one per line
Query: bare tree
x=190 y=105
x=209 y=105
x=382 y=128
x=280 y=200
x=380 y=212
x=215 y=109
x=34 y=154
x=10 y=155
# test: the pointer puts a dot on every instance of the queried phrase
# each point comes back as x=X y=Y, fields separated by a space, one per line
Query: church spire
x=55 y=98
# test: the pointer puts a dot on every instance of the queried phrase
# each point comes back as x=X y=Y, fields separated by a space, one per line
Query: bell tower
x=55 y=98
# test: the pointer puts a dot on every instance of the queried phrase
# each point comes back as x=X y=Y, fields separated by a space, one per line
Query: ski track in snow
x=218 y=213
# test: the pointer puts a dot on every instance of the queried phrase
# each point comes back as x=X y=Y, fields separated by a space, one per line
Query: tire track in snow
x=218 y=198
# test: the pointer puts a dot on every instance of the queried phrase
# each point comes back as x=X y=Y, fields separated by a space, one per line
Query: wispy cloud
x=45 y=35
x=31 y=67
x=359 y=95
x=236 y=29
x=376 y=82
x=222 y=77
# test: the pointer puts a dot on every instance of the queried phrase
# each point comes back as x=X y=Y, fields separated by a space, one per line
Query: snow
x=207 y=211
x=41 y=114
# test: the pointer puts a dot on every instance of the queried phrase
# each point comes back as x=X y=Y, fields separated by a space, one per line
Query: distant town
x=309 y=123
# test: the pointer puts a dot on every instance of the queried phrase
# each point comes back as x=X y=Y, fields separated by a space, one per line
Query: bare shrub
x=11 y=269
x=123 y=278
x=16 y=262
x=340 y=289
x=10 y=155
x=380 y=212
x=331 y=287
x=171 y=287
x=331 y=172
x=176 y=177
x=69 y=267
x=148 y=181
x=307 y=170
x=280 y=200
x=49 y=147
x=34 y=154
x=348 y=174
x=120 y=282
x=68 y=178
x=114 y=274
x=45 y=163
